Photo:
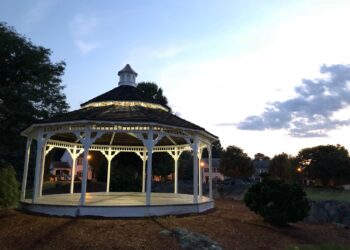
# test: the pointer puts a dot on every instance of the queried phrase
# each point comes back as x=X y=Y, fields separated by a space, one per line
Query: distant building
x=217 y=176
x=260 y=167
x=63 y=169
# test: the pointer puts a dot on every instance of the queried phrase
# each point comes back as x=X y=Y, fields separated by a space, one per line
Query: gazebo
x=120 y=120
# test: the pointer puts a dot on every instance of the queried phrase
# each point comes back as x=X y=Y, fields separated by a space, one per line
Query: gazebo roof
x=125 y=104
x=131 y=114
x=122 y=93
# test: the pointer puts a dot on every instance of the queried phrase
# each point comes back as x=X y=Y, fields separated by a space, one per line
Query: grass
x=318 y=247
x=320 y=194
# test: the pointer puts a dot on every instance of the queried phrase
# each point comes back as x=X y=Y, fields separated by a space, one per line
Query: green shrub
x=277 y=202
x=9 y=193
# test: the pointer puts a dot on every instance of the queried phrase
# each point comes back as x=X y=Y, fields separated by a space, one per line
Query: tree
x=30 y=90
x=151 y=90
x=126 y=173
x=281 y=166
x=325 y=162
x=216 y=150
x=162 y=164
x=277 y=202
x=261 y=163
x=261 y=157
x=235 y=163
x=186 y=166
x=9 y=193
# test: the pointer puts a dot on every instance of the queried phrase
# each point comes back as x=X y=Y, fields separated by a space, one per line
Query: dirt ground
x=231 y=224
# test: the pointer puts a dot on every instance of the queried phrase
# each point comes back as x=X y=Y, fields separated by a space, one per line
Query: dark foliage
x=162 y=164
x=281 y=167
x=9 y=193
x=277 y=202
x=235 y=163
x=151 y=90
x=326 y=163
x=30 y=89
x=126 y=173
x=216 y=150
x=186 y=166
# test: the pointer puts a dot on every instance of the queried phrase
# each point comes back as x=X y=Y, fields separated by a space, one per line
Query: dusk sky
x=267 y=76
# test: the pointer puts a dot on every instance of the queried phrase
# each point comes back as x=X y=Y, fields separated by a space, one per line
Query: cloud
x=83 y=27
x=85 y=47
x=311 y=113
x=37 y=12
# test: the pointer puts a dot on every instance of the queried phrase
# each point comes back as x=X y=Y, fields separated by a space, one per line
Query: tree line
x=326 y=165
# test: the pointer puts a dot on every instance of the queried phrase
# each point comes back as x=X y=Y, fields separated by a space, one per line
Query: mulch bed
x=231 y=224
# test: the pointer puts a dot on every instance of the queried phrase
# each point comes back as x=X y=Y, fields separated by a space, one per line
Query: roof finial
x=127 y=76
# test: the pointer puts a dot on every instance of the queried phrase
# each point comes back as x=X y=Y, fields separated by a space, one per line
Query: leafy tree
x=162 y=164
x=186 y=166
x=126 y=173
x=277 y=202
x=235 y=163
x=99 y=164
x=261 y=162
x=151 y=90
x=281 y=167
x=216 y=150
x=325 y=162
x=261 y=157
x=9 y=193
x=30 y=90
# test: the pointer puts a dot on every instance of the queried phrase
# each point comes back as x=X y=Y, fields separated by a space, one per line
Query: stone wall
x=329 y=211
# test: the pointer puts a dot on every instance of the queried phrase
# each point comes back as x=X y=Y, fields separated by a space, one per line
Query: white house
x=63 y=169
x=217 y=176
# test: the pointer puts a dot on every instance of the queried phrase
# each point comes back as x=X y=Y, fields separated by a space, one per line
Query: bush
x=277 y=202
x=9 y=193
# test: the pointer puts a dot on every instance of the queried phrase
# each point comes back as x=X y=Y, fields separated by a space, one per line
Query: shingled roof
x=123 y=93
x=132 y=114
x=127 y=69
x=124 y=104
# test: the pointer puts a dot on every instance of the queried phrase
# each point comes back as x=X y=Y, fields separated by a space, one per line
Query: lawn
x=318 y=194
x=231 y=224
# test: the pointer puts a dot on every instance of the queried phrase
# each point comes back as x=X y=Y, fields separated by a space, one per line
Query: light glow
x=125 y=104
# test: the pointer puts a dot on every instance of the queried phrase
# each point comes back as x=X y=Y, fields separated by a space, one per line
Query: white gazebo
x=120 y=120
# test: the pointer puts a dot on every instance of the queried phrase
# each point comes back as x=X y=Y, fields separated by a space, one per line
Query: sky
x=266 y=76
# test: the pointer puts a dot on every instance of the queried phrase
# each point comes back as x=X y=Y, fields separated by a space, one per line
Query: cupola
x=127 y=76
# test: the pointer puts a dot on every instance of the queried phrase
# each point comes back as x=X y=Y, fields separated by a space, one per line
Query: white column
x=210 y=173
x=200 y=173
x=84 y=177
x=109 y=157
x=108 y=174
x=39 y=142
x=86 y=140
x=176 y=159
x=144 y=159
x=195 y=170
x=42 y=168
x=149 y=146
x=25 y=169
x=74 y=163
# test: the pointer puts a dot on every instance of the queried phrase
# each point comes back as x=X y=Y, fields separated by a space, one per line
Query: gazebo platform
x=121 y=204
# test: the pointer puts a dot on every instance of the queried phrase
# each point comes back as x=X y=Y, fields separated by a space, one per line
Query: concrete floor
x=117 y=199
